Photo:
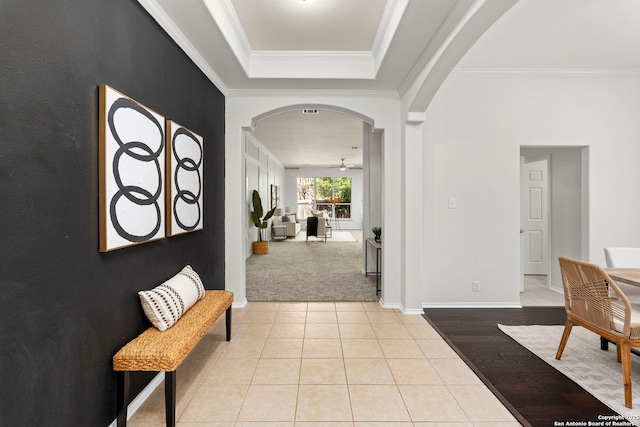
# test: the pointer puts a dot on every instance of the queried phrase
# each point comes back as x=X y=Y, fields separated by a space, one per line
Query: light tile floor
x=326 y=364
x=536 y=293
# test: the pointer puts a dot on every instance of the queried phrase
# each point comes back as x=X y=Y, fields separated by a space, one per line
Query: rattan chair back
x=592 y=296
x=593 y=300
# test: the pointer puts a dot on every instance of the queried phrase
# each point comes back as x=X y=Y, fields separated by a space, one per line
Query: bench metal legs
x=170 y=397
x=228 y=318
x=122 y=380
x=122 y=397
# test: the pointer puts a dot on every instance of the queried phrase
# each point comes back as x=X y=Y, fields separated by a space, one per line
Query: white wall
x=262 y=170
x=473 y=132
x=472 y=135
x=291 y=181
x=372 y=188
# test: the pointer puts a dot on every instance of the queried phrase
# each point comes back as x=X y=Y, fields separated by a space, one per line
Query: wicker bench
x=158 y=351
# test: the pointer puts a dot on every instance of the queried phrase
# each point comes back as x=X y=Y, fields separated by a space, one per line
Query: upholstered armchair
x=289 y=221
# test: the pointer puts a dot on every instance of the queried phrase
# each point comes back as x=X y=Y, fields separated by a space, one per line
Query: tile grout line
x=413 y=337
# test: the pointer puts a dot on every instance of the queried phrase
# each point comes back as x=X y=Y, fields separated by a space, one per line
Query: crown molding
x=389 y=23
x=576 y=72
x=313 y=54
x=306 y=64
x=227 y=20
x=318 y=94
x=312 y=65
x=455 y=22
x=167 y=24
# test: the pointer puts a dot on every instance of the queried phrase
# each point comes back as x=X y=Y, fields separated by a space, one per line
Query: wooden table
x=630 y=276
x=378 y=247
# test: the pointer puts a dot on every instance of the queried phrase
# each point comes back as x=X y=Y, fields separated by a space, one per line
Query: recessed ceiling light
x=304 y=1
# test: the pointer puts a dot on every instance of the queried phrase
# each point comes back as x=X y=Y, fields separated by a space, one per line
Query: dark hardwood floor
x=536 y=393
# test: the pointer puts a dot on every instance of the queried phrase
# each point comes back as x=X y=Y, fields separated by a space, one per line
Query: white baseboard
x=140 y=399
x=412 y=311
x=389 y=305
x=239 y=304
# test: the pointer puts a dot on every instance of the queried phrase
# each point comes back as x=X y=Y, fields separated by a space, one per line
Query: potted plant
x=261 y=246
x=377 y=232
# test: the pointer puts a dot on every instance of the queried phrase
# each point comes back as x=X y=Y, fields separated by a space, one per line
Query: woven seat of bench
x=158 y=351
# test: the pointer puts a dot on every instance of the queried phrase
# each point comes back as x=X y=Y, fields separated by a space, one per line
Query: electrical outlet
x=476 y=286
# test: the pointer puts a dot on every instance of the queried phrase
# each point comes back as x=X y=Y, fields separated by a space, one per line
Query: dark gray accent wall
x=66 y=308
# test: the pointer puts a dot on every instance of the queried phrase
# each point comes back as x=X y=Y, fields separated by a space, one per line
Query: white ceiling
x=321 y=25
x=212 y=33
x=312 y=140
x=374 y=45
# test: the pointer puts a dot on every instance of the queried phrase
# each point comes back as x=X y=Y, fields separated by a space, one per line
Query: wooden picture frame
x=274 y=196
x=185 y=164
x=131 y=168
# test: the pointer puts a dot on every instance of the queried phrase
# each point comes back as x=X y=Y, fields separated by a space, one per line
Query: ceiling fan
x=343 y=166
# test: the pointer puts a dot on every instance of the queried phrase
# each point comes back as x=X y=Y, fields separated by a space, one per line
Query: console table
x=378 y=247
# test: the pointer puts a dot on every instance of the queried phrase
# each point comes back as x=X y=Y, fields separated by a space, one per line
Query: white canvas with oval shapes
x=185 y=159
x=132 y=169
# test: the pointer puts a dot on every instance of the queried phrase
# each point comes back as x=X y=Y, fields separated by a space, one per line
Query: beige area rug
x=336 y=236
x=597 y=371
x=315 y=271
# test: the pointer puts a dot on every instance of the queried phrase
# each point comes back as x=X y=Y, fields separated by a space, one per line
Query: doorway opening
x=553 y=217
x=341 y=192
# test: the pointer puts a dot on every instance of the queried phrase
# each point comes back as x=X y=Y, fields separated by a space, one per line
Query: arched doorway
x=293 y=146
x=242 y=115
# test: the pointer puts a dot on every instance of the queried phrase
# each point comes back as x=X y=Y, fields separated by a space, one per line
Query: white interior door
x=534 y=217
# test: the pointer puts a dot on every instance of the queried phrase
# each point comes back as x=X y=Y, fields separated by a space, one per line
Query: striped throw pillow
x=166 y=303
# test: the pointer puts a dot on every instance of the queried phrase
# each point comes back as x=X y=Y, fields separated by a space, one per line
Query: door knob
x=521 y=230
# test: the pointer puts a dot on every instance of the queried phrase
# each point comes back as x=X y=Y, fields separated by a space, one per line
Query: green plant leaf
x=255 y=219
x=256 y=214
x=257 y=204
x=269 y=214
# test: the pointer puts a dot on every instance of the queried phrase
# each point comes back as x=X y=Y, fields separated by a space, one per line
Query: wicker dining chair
x=593 y=300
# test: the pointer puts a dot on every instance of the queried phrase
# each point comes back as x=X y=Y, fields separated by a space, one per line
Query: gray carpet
x=313 y=271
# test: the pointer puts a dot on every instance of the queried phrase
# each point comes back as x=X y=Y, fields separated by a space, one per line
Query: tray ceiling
x=376 y=46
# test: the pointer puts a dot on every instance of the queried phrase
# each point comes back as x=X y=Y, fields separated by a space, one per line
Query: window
x=329 y=195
